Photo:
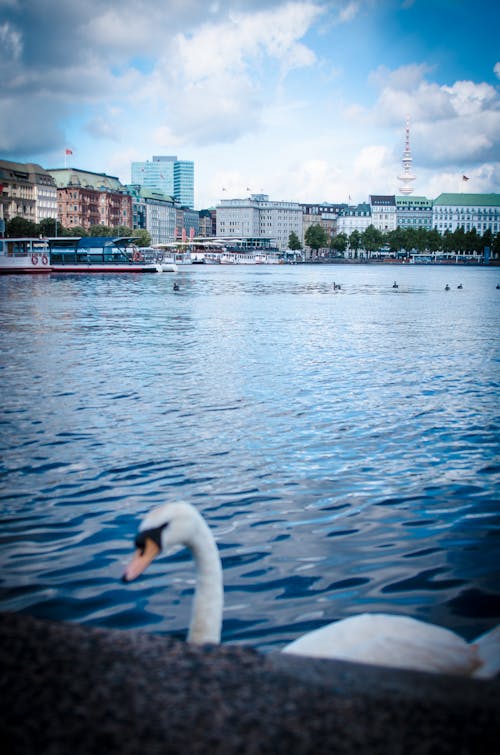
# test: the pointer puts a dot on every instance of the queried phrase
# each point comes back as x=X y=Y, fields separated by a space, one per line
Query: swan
x=379 y=639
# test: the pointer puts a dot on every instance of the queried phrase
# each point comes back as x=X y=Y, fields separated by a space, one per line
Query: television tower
x=407 y=176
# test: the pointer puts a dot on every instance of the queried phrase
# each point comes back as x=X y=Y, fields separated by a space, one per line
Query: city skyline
x=305 y=101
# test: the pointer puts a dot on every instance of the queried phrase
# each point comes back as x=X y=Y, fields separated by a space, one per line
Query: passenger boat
x=98 y=254
x=75 y=254
x=24 y=255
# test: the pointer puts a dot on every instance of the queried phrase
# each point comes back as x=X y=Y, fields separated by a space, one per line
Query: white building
x=384 y=216
x=467 y=211
x=354 y=218
x=257 y=217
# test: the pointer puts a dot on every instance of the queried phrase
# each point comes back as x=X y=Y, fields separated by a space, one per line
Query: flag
x=191 y=233
x=465 y=178
x=1 y=188
x=183 y=235
x=248 y=189
x=68 y=152
x=223 y=189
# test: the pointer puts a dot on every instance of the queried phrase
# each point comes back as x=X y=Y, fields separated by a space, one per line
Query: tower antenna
x=407 y=176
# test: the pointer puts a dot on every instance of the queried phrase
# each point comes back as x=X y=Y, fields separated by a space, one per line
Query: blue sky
x=304 y=100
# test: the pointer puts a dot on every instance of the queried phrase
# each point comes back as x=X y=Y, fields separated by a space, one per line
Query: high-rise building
x=167 y=174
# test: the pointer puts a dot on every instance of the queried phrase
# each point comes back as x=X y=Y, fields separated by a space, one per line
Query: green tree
x=48 y=227
x=316 y=237
x=101 y=230
x=19 y=227
x=78 y=230
x=355 y=241
x=294 y=242
x=372 y=238
x=143 y=237
x=339 y=242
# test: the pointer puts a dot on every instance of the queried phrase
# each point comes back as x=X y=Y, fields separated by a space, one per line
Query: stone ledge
x=71 y=689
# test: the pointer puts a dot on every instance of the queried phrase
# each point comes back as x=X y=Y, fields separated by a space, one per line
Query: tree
x=18 y=227
x=339 y=243
x=143 y=237
x=294 y=242
x=355 y=241
x=316 y=237
x=101 y=230
x=48 y=227
x=372 y=238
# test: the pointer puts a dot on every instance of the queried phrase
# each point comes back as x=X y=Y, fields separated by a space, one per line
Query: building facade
x=413 y=212
x=167 y=174
x=154 y=212
x=28 y=191
x=467 y=211
x=354 y=218
x=86 y=199
x=383 y=209
x=257 y=217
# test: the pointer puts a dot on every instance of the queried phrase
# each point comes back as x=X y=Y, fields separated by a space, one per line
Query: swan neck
x=206 y=619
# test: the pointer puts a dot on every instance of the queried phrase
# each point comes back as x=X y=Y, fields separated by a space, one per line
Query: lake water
x=342 y=445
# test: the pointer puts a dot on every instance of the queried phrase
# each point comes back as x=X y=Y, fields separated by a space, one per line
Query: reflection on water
x=342 y=444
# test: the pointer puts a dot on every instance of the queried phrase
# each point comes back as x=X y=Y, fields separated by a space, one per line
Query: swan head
x=164 y=529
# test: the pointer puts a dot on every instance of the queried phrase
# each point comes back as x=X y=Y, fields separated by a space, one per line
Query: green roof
x=85 y=179
x=471 y=200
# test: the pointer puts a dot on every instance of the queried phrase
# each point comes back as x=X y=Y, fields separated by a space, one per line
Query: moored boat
x=98 y=254
x=24 y=255
x=75 y=254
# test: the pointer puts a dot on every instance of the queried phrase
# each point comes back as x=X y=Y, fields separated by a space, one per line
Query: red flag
x=191 y=233
x=69 y=152
x=1 y=188
x=465 y=178
x=183 y=234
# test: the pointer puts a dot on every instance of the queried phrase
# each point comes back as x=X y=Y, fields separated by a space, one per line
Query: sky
x=303 y=100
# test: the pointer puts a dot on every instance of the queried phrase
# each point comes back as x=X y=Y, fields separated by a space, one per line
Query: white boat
x=65 y=254
x=24 y=255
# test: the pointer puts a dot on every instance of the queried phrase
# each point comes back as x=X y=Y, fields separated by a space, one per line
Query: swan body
x=380 y=639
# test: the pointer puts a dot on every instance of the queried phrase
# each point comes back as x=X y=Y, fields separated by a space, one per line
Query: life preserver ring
x=137 y=257
x=159 y=257
x=45 y=259
x=34 y=259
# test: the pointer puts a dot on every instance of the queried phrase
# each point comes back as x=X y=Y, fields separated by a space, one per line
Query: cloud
x=453 y=122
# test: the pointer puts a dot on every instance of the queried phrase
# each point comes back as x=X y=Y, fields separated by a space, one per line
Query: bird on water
x=380 y=639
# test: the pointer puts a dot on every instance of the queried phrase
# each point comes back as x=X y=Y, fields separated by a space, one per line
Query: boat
x=24 y=255
x=156 y=256
x=98 y=254
x=75 y=254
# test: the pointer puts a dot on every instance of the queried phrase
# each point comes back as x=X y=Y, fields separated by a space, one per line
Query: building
x=383 y=208
x=414 y=212
x=325 y=215
x=154 y=212
x=467 y=211
x=208 y=223
x=86 y=199
x=27 y=191
x=259 y=218
x=184 y=183
x=354 y=218
x=167 y=174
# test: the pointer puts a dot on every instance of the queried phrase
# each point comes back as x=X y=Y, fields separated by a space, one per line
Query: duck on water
x=380 y=639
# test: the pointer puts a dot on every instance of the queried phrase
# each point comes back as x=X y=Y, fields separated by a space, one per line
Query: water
x=343 y=446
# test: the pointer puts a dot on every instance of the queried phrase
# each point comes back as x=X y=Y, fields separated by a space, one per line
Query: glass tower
x=166 y=174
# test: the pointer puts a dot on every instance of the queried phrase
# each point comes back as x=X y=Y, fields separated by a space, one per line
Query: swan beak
x=141 y=560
